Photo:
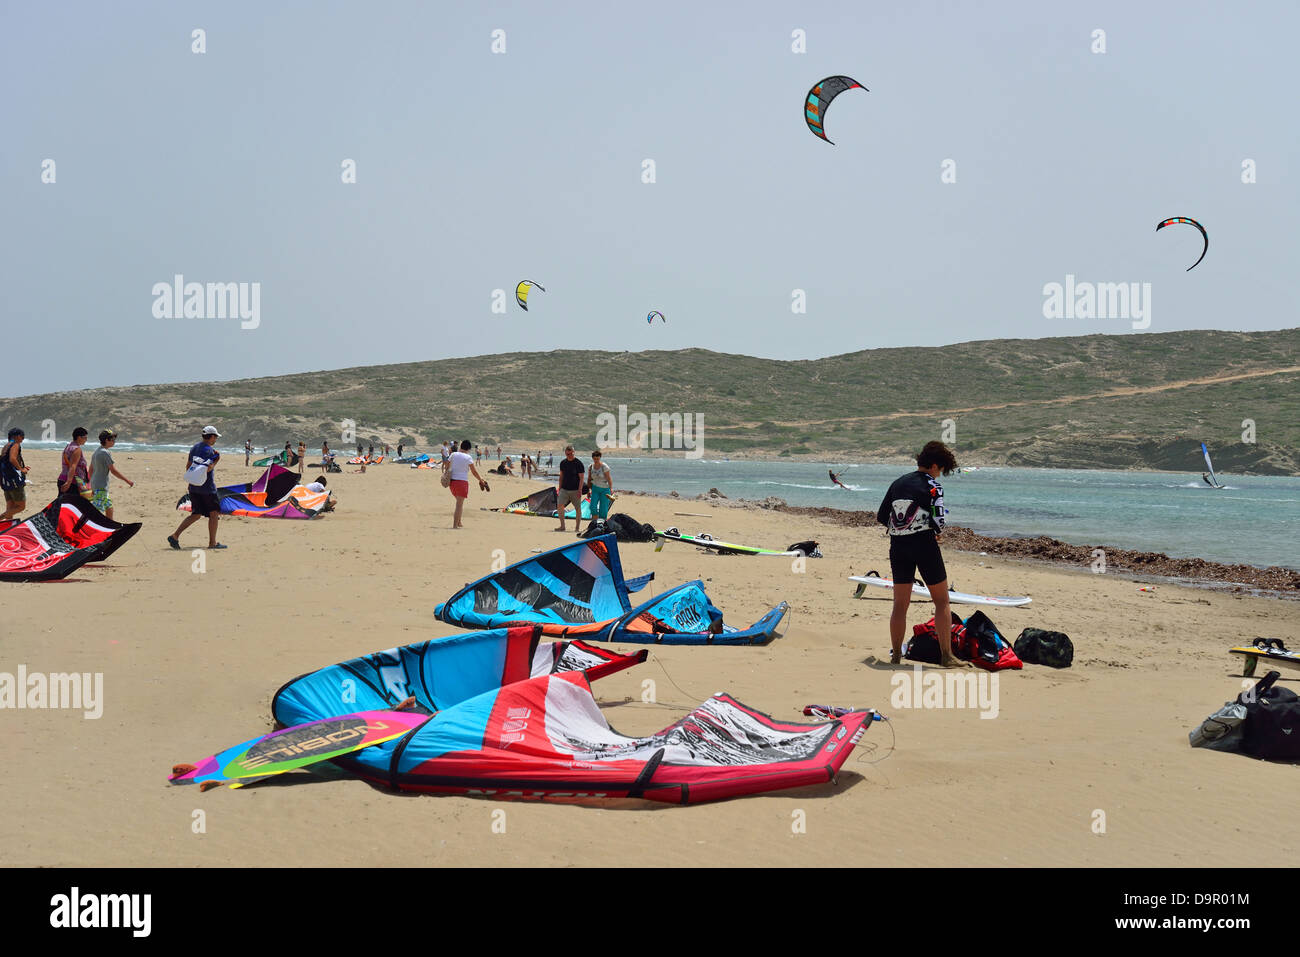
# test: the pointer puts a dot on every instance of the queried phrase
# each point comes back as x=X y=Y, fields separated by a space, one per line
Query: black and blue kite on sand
x=579 y=590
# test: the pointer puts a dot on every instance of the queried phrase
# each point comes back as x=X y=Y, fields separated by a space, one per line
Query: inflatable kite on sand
x=275 y=494
x=543 y=502
x=512 y=716
x=578 y=590
x=59 y=539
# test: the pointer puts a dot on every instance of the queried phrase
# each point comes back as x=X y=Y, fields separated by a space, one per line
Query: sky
x=475 y=169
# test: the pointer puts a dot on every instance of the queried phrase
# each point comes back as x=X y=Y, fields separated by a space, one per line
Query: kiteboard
x=706 y=541
x=296 y=747
x=955 y=597
x=1265 y=649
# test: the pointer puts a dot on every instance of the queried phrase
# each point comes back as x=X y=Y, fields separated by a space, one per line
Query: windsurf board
x=955 y=597
x=1270 y=650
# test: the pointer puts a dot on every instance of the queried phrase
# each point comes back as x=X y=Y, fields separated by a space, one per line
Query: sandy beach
x=191 y=659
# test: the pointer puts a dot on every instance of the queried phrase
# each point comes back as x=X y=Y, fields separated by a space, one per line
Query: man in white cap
x=199 y=465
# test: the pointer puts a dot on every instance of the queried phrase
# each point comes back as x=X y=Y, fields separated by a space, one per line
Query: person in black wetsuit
x=913 y=512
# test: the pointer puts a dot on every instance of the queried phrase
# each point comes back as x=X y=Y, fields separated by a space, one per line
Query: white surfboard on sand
x=955 y=597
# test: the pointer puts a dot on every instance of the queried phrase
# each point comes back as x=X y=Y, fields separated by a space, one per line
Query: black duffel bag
x=1272 y=726
x=1051 y=648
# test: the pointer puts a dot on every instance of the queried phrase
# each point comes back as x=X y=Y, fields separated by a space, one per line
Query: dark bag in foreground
x=1272 y=720
x=1264 y=722
x=1051 y=648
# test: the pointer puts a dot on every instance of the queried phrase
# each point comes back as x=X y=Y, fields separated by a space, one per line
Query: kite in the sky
x=819 y=101
x=651 y=318
x=1189 y=222
x=521 y=292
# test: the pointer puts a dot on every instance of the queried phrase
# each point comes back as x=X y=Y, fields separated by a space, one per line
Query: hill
x=1127 y=401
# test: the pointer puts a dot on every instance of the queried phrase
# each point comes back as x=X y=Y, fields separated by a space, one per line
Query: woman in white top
x=602 y=488
x=460 y=465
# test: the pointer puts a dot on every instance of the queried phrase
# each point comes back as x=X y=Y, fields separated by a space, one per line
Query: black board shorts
x=204 y=503
x=909 y=554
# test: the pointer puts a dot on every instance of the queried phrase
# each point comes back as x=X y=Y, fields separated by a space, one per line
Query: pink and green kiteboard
x=296 y=747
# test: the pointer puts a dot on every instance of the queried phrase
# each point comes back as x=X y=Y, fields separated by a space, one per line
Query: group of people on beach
x=85 y=477
x=912 y=510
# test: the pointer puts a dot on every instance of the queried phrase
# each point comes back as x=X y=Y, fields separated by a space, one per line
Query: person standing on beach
x=248 y=450
x=569 y=489
x=13 y=475
x=101 y=466
x=202 y=458
x=498 y=453
x=913 y=512
x=461 y=464
x=302 y=456
x=602 y=489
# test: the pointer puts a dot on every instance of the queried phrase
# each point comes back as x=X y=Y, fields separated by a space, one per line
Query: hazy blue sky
x=475 y=170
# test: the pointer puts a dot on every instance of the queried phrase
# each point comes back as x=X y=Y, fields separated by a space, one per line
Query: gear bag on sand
x=1051 y=648
x=984 y=647
x=924 y=644
x=1264 y=722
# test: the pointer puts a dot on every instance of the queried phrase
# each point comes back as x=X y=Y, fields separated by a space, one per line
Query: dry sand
x=190 y=662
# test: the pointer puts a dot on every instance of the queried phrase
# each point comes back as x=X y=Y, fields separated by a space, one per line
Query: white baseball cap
x=211 y=430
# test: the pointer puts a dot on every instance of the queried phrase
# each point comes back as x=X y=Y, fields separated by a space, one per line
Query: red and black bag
x=924 y=645
x=984 y=645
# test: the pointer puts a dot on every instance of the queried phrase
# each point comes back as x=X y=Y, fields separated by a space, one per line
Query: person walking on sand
x=913 y=512
x=460 y=464
x=13 y=475
x=569 y=489
x=75 y=473
x=602 y=489
x=101 y=466
x=199 y=465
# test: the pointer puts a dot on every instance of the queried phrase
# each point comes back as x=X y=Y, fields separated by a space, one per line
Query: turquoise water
x=1254 y=520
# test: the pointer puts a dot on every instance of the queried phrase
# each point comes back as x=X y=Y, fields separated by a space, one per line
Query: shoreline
x=653 y=455
x=1271 y=581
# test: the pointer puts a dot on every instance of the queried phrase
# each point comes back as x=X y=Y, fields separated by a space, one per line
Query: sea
x=1255 y=520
